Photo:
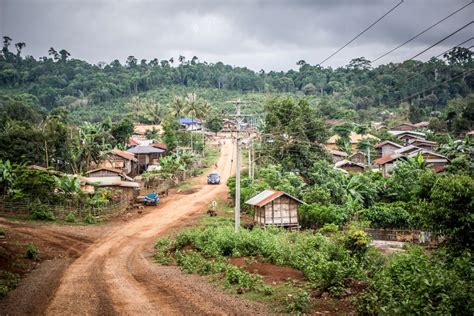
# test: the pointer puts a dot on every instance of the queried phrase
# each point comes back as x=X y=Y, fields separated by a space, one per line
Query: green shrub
x=89 y=219
x=325 y=261
x=357 y=241
x=193 y=262
x=329 y=229
x=8 y=281
x=70 y=218
x=388 y=215
x=298 y=303
x=243 y=280
x=32 y=251
x=163 y=258
x=415 y=283
x=317 y=215
x=41 y=212
x=3 y=231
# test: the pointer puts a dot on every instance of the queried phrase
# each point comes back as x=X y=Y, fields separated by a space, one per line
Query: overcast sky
x=270 y=35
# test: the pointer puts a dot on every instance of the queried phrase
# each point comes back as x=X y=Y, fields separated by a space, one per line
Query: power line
x=358 y=35
x=422 y=32
x=441 y=40
x=432 y=87
x=458 y=45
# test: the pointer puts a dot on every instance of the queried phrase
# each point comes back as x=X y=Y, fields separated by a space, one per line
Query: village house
x=118 y=159
x=436 y=161
x=350 y=166
x=114 y=179
x=423 y=144
x=407 y=150
x=354 y=139
x=160 y=146
x=358 y=157
x=190 y=124
x=337 y=155
x=406 y=136
x=146 y=155
x=140 y=130
x=387 y=163
x=275 y=208
x=386 y=148
x=422 y=124
x=404 y=127
x=229 y=125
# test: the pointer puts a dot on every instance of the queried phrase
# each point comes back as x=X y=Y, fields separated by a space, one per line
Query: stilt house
x=275 y=208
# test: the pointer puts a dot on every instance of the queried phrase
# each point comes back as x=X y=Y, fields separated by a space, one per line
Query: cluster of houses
x=411 y=142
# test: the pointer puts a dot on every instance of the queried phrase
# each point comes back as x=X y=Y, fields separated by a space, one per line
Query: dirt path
x=116 y=276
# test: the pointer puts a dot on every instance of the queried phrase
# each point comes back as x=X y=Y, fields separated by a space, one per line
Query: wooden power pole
x=237 y=173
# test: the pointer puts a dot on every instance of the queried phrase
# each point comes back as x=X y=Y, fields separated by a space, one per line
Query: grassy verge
x=325 y=261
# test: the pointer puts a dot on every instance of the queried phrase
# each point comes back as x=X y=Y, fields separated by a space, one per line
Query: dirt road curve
x=116 y=276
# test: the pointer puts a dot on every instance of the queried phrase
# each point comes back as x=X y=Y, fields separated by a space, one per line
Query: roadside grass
x=211 y=154
x=186 y=185
x=207 y=248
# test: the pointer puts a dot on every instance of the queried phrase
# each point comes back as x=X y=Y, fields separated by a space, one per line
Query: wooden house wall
x=386 y=150
x=282 y=211
x=103 y=173
x=359 y=157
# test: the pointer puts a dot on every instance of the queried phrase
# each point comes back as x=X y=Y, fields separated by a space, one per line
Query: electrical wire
x=441 y=40
x=422 y=32
x=360 y=34
x=446 y=51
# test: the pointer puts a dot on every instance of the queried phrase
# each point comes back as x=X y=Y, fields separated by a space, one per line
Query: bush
x=32 y=251
x=387 y=215
x=451 y=209
x=325 y=262
x=89 y=219
x=8 y=281
x=298 y=303
x=415 y=283
x=243 y=280
x=3 y=231
x=70 y=218
x=317 y=215
x=329 y=229
x=41 y=212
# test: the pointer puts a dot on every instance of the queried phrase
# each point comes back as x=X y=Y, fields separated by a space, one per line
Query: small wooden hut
x=275 y=208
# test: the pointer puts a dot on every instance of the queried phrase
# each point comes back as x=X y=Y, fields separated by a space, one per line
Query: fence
x=23 y=209
x=404 y=235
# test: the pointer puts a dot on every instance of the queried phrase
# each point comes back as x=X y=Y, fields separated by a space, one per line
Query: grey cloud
x=258 y=34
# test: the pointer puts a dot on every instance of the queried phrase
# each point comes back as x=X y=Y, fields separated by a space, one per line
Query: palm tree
x=193 y=107
x=19 y=46
x=153 y=111
x=178 y=106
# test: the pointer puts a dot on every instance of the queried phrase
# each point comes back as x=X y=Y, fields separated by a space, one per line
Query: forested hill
x=59 y=80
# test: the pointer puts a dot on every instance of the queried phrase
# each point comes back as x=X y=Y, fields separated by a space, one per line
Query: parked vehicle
x=151 y=199
x=214 y=178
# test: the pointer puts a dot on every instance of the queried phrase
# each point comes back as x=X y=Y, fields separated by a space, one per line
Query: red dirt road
x=116 y=276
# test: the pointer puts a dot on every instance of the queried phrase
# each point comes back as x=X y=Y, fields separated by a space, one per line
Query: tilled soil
x=115 y=273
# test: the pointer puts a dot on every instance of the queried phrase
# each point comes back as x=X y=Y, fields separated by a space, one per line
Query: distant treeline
x=58 y=80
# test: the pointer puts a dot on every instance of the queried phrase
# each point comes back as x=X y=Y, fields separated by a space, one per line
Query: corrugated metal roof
x=145 y=150
x=387 y=142
x=265 y=197
x=117 y=171
x=124 y=154
x=386 y=159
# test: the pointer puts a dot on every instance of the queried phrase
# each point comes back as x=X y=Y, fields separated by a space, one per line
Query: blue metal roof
x=188 y=121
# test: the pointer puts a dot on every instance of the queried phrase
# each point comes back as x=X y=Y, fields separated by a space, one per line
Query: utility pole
x=250 y=157
x=237 y=174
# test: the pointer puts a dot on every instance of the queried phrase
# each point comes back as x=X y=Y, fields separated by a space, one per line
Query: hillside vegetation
x=356 y=92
